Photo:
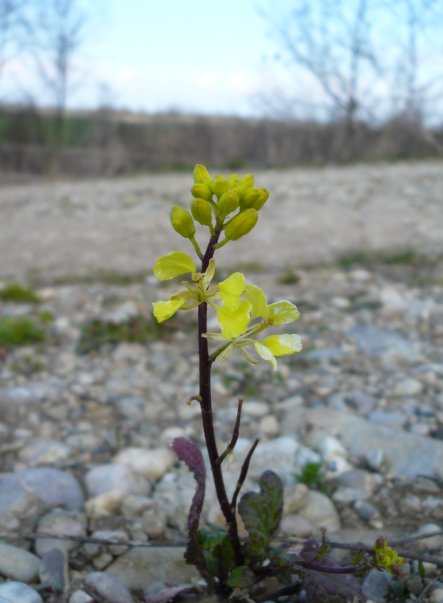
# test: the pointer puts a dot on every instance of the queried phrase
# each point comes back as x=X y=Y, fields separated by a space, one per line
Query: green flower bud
x=233 y=180
x=254 y=197
x=201 y=174
x=201 y=210
x=241 y=224
x=182 y=222
x=219 y=185
x=246 y=182
x=248 y=198
x=263 y=196
x=201 y=190
x=228 y=203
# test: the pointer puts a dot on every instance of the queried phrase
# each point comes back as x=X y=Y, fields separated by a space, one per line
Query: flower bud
x=228 y=202
x=254 y=197
x=219 y=185
x=241 y=224
x=182 y=222
x=201 y=190
x=201 y=210
x=248 y=198
x=246 y=182
x=201 y=174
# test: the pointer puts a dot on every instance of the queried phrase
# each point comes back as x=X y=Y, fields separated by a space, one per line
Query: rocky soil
x=85 y=437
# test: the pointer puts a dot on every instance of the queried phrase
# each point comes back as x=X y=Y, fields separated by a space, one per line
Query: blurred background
x=114 y=87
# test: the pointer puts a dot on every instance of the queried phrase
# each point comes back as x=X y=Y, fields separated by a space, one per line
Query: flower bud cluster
x=223 y=204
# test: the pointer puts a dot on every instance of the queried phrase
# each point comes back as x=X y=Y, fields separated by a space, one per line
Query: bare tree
x=331 y=41
x=12 y=30
x=59 y=30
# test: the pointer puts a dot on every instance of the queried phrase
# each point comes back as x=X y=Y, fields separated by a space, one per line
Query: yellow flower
x=174 y=264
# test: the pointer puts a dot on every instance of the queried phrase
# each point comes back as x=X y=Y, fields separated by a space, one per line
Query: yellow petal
x=257 y=298
x=234 y=322
x=231 y=290
x=173 y=264
x=283 y=345
x=209 y=274
x=266 y=354
x=164 y=310
x=282 y=312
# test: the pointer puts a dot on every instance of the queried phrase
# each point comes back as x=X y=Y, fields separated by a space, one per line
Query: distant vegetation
x=108 y=143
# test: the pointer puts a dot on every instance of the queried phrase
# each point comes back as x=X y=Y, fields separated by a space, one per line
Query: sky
x=192 y=55
x=206 y=57
x=158 y=55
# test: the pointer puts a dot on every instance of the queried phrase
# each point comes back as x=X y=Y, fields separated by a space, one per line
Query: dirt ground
x=65 y=228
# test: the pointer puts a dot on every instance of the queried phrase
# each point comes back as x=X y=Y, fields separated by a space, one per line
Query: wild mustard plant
x=229 y=208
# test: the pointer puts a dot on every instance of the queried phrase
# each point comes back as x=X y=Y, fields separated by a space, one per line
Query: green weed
x=20 y=330
x=17 y=293
x=97 y=333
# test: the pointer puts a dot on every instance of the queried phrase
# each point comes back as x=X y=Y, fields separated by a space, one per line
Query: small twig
x=243 y=474
x=235 y=434
x=90 y=540
x=368 y=549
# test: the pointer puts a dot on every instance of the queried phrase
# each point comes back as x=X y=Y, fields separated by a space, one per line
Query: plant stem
x=205 y=363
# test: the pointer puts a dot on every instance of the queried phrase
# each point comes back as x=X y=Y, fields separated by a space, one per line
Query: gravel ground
x=84 y=438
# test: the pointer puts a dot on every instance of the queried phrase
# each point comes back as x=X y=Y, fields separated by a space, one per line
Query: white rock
x=115 y=476
x=105 y=504
x=79 y=596
x=255 y=409
x=152 y=464
x=407 y=387
x=436 y=596
x=320 y=511
x=269 y=426
x=295 y=498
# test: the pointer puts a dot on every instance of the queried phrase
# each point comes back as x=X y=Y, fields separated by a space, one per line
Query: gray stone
x=16 y=401
x=53 y=487
x=407 y=454
x=44 y=452
x=320 y=511
x=376 y=585
x=104 y=478
x=79 y=596
x=109 y=587
x=390 y=419
x=53 y=570
x=140 y=567
x=17 y=592
x=17 y=564
x=358 y=479
x=375 y=341
x=436 y=596
x=61 y=523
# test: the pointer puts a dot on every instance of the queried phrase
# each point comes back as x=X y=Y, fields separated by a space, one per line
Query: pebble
x=115 y=476
x=61 y=523
x=18 y=564
x=436 y=596
x=109 y=587
x=138 y=568
x=80 y=596
x=105 y=504
x=376 y=585
x=53 y=570
x=152 y=464
x=320 y=511
x=16 y=592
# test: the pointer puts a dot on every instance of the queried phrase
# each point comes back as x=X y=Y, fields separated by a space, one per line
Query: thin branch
x=235 y=434
x=243 y=474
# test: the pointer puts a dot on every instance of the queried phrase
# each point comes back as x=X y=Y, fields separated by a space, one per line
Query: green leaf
x=241 y=577
x=261 y=513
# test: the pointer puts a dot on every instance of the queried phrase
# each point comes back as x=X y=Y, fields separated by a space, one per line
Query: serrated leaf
x=261 y=513
x=191 y=454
